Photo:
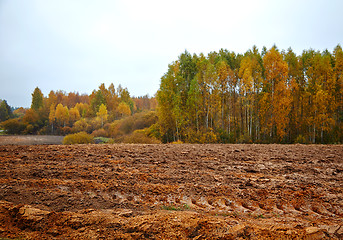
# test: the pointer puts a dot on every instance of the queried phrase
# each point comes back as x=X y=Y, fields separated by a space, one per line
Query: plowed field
x=127 y=191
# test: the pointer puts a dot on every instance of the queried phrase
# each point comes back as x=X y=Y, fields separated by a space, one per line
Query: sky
x=75 y=45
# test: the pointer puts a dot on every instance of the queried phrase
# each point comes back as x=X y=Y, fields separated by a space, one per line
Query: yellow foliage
x=139 y=136
x=80 y=125
x=124 y=109
x=74 y=115
x=78 y=138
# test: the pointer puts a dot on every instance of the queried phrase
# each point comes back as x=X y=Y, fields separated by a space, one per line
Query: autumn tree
x=52 y=99
x=250 y=74
x=267 y=96
x=19 y=112
x=62 y=114
x=32 y=121
x=74 y=115
x=338 y=76
x=102 y=114
x=166 y=97
x=124 y=109
x=275 y=101
x=80 y=125
x=223 y=71
x=52 y=117
x=83 y=109
x=112 y=98
x=297 y=85
x=124 y=97
x=97 y=98
x=321 y=89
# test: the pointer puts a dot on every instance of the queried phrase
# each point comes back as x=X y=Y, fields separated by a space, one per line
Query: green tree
x=338 y=75
x=124 y=96
x=166 y=97
x=5 y=111
x=97 y=98
x=37 y=99
x=223 y=71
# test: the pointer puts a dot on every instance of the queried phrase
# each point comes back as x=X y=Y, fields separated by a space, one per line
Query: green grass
x=102 y=140
x=260 y=216
x=176 y=208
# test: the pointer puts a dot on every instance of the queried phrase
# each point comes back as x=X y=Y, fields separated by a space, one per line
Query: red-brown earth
x=125 y=191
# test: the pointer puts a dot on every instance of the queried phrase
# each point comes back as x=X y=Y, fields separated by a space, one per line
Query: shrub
x=78 y=138
x=80 y=125
x=209 y=137
x=99 y=133
x=126 y=125
x=245 y=138
x=139 y=136
x=154 y=131
x=100 y=140
x=29 y=129
x=65 y=130
x=94 y=124
x=300 y=139
x=13 y=126
x=113 y=129
x=144 y=120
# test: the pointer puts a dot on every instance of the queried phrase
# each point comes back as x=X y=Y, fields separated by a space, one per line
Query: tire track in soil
x=258 y=185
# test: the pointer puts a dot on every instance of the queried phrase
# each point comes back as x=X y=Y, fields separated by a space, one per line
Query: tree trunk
x=177 y=131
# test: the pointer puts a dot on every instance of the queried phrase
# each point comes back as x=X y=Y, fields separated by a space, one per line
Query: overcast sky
x=75 y=45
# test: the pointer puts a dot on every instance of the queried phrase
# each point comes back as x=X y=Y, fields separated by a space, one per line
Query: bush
x=209 y=137
x=80 y=125
x=100 y=140
x=300 y=139
x=94 y=124
x=29 y=129
x=78 y=138
x=65 y=130
x=100 y=133
x=13 y=126
x=113 y=129
x=126 y=125
x=144 y=120
x=245 y=138
x=139 y=136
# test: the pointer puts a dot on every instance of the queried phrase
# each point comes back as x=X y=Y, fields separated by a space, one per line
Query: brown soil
x=171 y=192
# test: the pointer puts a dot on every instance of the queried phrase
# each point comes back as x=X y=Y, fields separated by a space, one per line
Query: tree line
x=267 y=96
x=98 y=113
